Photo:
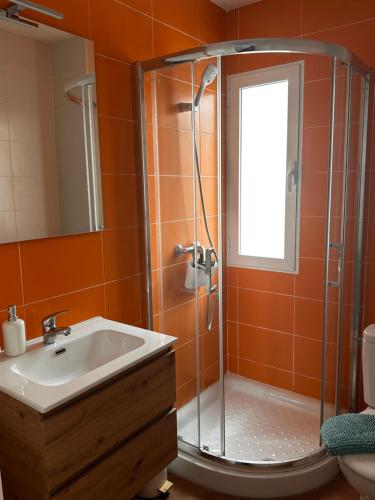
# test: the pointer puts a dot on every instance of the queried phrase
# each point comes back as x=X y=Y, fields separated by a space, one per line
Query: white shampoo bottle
x=14 y=336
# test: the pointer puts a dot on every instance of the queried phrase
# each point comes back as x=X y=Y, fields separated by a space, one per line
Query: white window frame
x=292 y=72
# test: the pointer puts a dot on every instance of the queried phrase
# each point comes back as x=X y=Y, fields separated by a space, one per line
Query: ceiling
x=233 y=4
x=43 y=33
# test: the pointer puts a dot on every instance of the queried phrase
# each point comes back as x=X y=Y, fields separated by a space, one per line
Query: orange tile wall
x=102 y=273
x=274 y=327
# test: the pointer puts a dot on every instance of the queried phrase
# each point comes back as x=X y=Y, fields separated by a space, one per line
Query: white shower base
x=262 y=422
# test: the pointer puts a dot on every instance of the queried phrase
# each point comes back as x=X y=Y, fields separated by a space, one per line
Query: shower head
x=209 y=75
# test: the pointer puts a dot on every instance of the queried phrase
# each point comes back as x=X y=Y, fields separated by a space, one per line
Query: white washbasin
x=65 y=363
x=47 y=376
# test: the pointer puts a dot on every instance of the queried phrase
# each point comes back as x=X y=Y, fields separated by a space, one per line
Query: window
x=264 y=119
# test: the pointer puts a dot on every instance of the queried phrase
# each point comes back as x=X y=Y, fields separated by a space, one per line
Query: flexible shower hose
x=209 y=315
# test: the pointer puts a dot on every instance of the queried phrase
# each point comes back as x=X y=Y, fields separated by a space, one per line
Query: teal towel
x=349 y=434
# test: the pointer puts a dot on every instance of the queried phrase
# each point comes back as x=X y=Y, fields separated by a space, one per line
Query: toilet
x=359 y=470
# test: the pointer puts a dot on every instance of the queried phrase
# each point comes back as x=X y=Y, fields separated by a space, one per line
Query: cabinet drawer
x=127 y=469
x=81 y=433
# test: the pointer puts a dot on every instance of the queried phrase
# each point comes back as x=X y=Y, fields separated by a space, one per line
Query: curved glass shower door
x=290 y=334
x=264 y=355
x=209 y=211
x=344 y=235
x=184 y=255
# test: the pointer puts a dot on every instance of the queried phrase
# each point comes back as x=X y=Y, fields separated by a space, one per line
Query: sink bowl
x=96 y=350
x=73 y=359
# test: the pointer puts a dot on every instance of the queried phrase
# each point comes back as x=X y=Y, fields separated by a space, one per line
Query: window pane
x=263 y=158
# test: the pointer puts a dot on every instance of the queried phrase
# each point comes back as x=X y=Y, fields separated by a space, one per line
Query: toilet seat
x=360 y=469
x=363 y=465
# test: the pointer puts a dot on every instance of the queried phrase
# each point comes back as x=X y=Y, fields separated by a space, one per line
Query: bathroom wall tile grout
x=313 y=33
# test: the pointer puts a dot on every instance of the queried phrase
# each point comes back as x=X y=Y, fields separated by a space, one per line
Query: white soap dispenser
x=14 y=336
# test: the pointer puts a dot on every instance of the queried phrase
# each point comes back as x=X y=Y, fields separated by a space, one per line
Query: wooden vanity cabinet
x=106 y=444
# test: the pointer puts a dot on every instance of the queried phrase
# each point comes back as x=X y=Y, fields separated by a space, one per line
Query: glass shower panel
x=335 y=355
x=312 y=311
x=170 y=127
x=349 y=292
x=207 y=178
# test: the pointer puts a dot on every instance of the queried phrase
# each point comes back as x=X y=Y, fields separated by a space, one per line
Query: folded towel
x=349 y=434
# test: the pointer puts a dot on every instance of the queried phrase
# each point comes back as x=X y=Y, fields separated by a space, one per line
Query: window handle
x=292 y=176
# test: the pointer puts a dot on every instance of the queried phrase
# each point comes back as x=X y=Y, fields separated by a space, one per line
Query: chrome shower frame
x=338 y=55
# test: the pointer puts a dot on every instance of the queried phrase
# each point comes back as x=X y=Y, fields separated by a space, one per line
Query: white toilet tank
x=368 y=360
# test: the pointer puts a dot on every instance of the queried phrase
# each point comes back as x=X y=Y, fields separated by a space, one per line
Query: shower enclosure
x=266 y=346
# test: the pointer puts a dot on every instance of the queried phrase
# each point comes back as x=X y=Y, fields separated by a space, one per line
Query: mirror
x=50 y=183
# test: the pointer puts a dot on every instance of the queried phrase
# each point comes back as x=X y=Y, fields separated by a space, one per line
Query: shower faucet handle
x=184 y=106
x=191 y=249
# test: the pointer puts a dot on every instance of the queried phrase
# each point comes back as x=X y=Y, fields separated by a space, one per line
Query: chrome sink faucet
x=51 y=330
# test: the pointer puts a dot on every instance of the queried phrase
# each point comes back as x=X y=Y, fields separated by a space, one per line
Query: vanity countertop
x=47 y=376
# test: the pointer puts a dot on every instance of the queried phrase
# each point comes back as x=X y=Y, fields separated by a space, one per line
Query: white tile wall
x=32 y=223
x=27 y=158
x=18 y=51
x=28 y=166
x=29 y=193
x=70 y=62
x=4 y=127
x=6 y=194
x=5 y=165
x=8 y=227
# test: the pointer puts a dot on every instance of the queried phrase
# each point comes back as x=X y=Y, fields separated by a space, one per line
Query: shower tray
x=263 y=423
